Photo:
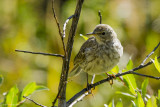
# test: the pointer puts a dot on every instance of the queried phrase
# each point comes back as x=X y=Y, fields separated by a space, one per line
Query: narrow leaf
x=152 y=102
x=12 y=98
x=119 y=103
x=139 y=101
x=157 y=64
x=40 y=87
x=129 y=65
x=126 y=94
x=158 y=98
x=115 y=69
x=29 y=89
x=149 y=103
x=144 y=88
x=129 y=79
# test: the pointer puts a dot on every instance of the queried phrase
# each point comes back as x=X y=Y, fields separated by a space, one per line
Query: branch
x=41 y=53
x=58 y=25
x=65 y=24
x=83 y=92
x=100 y=17
x=66 y=59
x=150 y=54
x=34 y=101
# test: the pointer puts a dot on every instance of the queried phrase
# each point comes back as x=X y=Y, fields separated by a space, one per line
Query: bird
x=100 y=53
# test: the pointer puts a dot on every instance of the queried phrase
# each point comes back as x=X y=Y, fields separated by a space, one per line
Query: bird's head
x=103 y=33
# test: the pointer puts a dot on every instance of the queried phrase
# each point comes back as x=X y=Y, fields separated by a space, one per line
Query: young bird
x=100 y=53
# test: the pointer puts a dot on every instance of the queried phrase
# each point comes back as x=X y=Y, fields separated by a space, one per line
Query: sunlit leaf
x=139 y=101
x=30 y=88
x=152 y=102
x=149 y=103
x=84 y=37
x=129 y=79
x=144 y=87
x=158 y=98
x=129 y=65
x=115 y=69
x=157 y=64
x=126 y=94
x=111 y=104
x=12 y=98
x=40 y=87
x=119 y=103
x=133 y=104
x=1 y=79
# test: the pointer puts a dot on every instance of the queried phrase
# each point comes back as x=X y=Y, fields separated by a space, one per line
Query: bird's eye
x=103 y=33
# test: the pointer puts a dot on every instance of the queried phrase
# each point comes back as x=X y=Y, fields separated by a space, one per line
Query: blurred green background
x=29 y=25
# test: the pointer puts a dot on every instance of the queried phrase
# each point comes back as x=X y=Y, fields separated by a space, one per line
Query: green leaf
x=119 y=103
x=129 y=79
x=115 y=69
x=158 y=98
x=40 y=87
x=139 y=101
x=12 y=98
x=111 y=104
x=1 y=79
x=129 y=65
x=157 y=64
x=130 y=82
x=126 y=94
x=152 y=102
x=30 y=88
x=84 y=37
x=144 y=88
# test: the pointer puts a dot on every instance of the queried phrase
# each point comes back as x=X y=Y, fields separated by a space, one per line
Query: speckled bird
x=100 y=53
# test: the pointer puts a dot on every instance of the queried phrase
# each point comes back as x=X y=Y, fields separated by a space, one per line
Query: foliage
x=14 y=97
x=29 y=25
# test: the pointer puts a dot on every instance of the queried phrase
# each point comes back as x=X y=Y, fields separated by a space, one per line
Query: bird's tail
x=75 y=71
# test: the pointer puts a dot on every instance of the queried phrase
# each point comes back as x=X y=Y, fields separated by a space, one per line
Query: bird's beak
x=92 y=33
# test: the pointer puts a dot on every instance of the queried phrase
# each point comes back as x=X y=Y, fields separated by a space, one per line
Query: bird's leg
x=87 y=82
x=111 y=78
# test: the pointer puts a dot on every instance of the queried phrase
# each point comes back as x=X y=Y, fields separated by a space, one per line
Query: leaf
x=40 y=87
x=119 y=103
x=129 y=79
x=152 y=102
x=1 y=79
x=129 y=65
x=84 y=37
x=126 y=94
x=12 y=98
x=149 y=103
x=144 y=88
x=115 y=69
x=30 y=88
x=157 y=64
x=139 y=101
x=158 y=98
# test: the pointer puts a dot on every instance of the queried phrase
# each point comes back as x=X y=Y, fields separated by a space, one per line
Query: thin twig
x=66 y=60
x=150 y=54
x=58 y=25
x=100 y=17
x=34 y=101
x=82 y=92
x=79 y=99
x=40 y=53
x=65 y=24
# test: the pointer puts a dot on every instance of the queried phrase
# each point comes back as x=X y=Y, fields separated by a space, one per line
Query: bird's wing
x=80 y=57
